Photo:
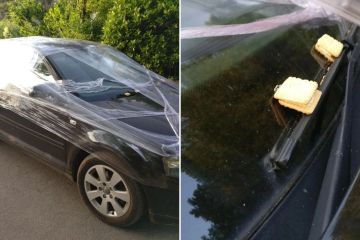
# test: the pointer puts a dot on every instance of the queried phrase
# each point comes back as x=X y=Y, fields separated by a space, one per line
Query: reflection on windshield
x=229 y=126
x=71 y=68
x=214 y=12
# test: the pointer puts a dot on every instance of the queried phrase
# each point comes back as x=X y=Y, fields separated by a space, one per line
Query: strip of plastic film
x=108 y=99
x=308 y=10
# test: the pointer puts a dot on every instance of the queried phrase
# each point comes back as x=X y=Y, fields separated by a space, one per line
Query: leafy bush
x=3 y=8
x=78 y=19
x=8 y=30
x=147 y=31
x=28 y=16
x=63 y=20
x=98 y=12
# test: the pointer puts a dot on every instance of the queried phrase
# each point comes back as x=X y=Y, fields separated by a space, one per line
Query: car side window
x=40 y=68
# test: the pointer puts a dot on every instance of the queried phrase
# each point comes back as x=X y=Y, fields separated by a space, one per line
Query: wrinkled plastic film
x=249 y=28
x=51 y=103
x=348 y=9
x=310 y=10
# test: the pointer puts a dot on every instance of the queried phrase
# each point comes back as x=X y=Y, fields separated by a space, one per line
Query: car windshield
x=70 y=68
x=230 y=123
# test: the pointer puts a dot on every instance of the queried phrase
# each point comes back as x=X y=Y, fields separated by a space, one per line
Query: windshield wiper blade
x=284 y=147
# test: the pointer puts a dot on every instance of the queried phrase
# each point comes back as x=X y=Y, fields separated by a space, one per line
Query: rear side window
x=41 y=69
x=22 y=65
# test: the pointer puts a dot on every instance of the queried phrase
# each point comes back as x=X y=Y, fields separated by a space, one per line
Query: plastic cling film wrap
x=249 y=28
x=348 y=9
x=90 y=95
x=302 y=11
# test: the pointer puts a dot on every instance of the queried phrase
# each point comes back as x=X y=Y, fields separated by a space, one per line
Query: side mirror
x=43 y=90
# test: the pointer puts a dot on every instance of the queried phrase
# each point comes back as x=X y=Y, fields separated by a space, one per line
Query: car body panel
x=58 y=127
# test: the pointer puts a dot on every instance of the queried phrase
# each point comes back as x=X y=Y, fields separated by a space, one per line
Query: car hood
x=136 y=119
x=150 y=115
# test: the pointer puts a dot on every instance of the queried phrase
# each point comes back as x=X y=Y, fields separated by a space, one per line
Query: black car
x=104 y=120
x=253 y=169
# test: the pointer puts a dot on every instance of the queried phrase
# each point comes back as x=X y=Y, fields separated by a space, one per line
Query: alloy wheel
x=107 y=191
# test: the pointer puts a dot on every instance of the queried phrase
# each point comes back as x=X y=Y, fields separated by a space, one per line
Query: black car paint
x=329 y=207
x=231 y=181
x=65 y=156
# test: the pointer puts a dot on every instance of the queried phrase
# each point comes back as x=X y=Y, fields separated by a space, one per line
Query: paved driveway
x=37 y=202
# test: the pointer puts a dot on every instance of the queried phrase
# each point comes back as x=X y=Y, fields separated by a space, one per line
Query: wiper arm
x=284 y=147
x=125 y=91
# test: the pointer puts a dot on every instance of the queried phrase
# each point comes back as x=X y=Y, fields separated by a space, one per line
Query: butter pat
x=329 y=47
x=296 y=90
x=298 y=94
x=304 y=108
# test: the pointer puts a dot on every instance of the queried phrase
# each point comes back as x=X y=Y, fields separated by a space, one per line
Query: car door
x=20 y=125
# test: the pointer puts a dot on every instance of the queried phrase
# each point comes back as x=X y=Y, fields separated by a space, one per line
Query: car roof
x=46 y=45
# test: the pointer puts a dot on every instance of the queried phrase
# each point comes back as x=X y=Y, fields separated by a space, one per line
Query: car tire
x=110 y=195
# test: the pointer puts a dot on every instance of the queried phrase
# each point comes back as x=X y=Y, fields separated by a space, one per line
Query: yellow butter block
x=306 y=108
x=296 y=91
x=329 y=47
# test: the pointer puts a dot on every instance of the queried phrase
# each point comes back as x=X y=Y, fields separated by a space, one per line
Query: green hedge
x=145 y=30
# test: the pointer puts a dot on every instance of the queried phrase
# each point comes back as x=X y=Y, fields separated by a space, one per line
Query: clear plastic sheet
x=121 y=107
x=309 y=10
x=248 y=28
x=348 y=9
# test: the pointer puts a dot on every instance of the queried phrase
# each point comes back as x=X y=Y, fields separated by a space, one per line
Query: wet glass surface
x=228 y=125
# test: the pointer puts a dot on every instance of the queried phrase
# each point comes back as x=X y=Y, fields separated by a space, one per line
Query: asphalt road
x=36 y=202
